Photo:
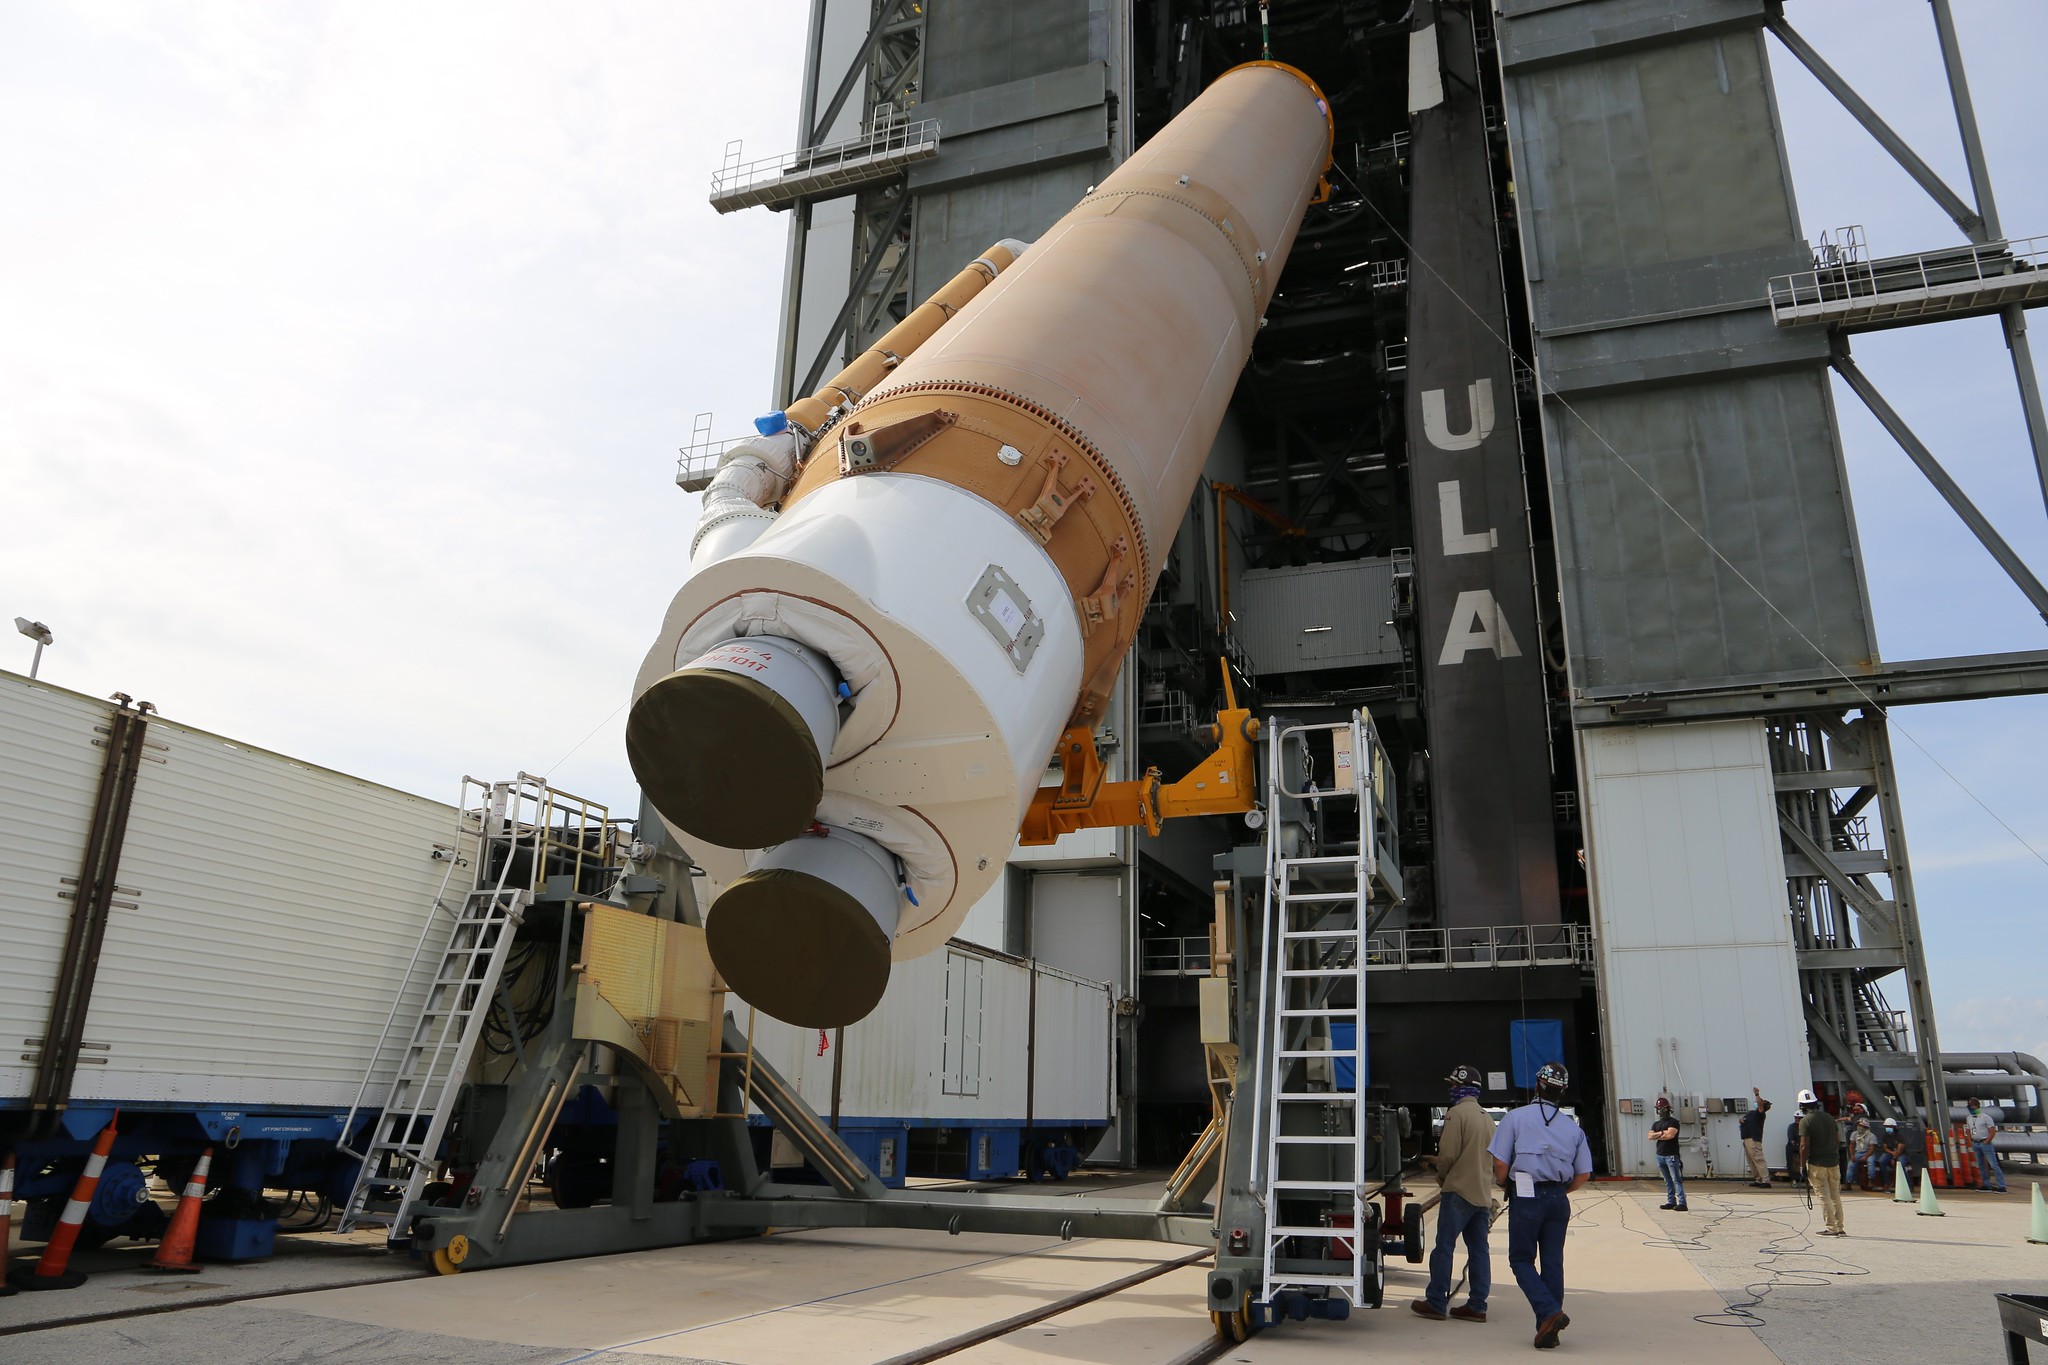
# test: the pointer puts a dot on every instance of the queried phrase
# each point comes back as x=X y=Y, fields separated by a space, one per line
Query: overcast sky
x=344 y=351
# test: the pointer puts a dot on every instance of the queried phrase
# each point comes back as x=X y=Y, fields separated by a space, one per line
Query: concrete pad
x=1898 y=1287
x=818 y=1296
x=248 y=1334
x=1626 y=1301
x=118 y=1284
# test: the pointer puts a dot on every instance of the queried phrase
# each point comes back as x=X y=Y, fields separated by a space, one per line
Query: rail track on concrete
x=1208 y=1350
x=184 y=1306
x=995 y=1331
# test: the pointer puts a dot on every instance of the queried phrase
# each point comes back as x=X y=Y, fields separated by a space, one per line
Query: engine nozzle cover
x=731 y=747
x=806 y=933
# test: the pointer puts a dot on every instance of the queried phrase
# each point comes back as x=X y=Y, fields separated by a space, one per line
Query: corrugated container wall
x=953 y=1044
x=266 y=913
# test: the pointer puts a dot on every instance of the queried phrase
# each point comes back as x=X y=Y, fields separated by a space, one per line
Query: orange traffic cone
x=174 y=1252
x=53 y=1271
x=1937 y=1167
x=1967 y=1175
x=7 y=1220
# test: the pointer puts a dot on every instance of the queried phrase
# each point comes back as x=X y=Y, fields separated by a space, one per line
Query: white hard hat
x=1808 y=1097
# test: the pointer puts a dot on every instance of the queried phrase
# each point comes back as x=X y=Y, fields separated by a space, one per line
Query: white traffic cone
x=1930 y=1207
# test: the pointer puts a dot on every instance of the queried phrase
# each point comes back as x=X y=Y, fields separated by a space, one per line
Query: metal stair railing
x=405 y=1137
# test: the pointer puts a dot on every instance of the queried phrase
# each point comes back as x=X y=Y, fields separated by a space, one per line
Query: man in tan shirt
x=1466 y=1173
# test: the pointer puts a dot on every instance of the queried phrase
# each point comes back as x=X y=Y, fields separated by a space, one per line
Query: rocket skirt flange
x=732 y=746
x=805 y=934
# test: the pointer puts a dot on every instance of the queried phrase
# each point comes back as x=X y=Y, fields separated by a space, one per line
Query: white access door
x=1698 y=978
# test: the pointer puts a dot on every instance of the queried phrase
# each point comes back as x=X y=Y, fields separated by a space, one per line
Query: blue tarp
x=1532 y=1043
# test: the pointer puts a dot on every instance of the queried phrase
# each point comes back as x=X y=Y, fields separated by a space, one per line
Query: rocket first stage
x=910 y=583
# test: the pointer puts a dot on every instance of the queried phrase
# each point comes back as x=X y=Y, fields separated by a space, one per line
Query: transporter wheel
x=448 y=1260
x=1411 y=1233
x=1375 y=1280
x=1241 y=1325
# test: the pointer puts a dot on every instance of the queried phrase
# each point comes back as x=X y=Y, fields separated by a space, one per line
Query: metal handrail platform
x=1962 y=281
x=882 y=153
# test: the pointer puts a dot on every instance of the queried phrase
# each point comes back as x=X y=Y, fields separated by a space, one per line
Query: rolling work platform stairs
x=405 y=1138
x=1311 y=1137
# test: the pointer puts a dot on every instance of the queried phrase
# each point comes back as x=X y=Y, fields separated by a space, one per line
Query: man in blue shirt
x=1541 y=1155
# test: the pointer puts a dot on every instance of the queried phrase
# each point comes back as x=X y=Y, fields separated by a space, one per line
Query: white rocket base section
x=1699 y=982
x=903 y=561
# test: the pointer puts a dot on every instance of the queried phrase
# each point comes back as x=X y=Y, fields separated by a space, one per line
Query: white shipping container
x=265 y=914
x=953 y=1043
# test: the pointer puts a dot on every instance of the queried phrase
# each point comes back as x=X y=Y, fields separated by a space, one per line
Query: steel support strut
x=1966 y=218
x=1987 y=535
x=1919 y=990
x=2012 y=318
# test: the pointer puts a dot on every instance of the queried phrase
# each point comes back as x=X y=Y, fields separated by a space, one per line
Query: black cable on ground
x=1778 y=1274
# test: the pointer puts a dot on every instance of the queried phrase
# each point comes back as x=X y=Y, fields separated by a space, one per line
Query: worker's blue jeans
x=1990 y=1175
x=1457 y=1217
x=1674 y=1177
x=1536 y=1228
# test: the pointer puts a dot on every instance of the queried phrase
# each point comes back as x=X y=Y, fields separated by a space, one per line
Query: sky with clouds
x=347 y=349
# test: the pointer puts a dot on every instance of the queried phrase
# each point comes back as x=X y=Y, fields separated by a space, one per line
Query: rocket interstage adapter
x=962 y=554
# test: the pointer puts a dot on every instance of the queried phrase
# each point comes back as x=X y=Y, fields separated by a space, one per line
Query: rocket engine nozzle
x=731 y=747
x=805 y=934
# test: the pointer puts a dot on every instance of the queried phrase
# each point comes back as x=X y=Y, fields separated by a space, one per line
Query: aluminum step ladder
x=405 y=1138
x=1312 y=988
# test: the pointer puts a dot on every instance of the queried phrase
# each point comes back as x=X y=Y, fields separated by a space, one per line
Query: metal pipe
x=753 y=474
x=872 y=366
x=1995 y=1080
x=2035 y=1144
x=1995 y=1061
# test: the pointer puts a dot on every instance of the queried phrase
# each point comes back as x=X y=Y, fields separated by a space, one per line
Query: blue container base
x=235 y=1239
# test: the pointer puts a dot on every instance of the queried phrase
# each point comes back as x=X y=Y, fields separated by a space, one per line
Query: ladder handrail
x=1267 y=944
x=428 y=1004
x=450 y=1021
x=495 y=911
x=404 y=985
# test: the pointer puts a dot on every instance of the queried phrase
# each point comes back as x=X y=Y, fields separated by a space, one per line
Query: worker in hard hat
x=1664 y=1132
x=1891 y=1150
x=1862 y=1156
x=1541 y=1155
x=1466 y=1205
x=1820 y=1152
x=1752 y=1130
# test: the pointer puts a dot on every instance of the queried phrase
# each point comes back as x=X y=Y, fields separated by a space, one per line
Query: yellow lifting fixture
x=1224 y=783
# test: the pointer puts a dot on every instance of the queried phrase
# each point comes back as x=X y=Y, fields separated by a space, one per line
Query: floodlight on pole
x=40 y=633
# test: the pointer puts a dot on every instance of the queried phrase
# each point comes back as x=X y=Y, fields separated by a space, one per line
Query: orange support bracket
x=1224 y=783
